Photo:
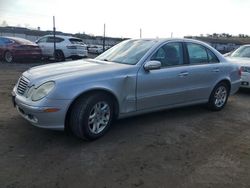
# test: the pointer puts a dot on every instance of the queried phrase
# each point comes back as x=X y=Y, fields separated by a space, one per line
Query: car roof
x=61 y=36
x=248 y=45
x=163 y=40
x=19 y=40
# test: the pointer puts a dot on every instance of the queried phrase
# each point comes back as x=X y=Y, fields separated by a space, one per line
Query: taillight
x=71 y=47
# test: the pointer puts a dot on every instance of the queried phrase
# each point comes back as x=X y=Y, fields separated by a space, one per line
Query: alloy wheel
x=99 y=117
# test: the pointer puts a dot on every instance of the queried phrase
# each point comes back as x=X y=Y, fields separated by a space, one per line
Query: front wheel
x=218 y=97
x=91 y=116
x=8 y=57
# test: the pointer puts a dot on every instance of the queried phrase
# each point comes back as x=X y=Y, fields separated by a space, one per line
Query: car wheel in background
x=91 y=116
x=8 y=57
x=218 y=97
x=59 y=56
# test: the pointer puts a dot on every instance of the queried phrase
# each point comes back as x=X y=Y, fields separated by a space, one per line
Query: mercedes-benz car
x=242 y=57
x=134 y=77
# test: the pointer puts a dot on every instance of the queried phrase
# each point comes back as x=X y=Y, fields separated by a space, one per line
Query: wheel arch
x=226 y=81
x=90 y=92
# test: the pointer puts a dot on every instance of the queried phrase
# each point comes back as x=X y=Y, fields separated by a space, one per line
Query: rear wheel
x=8 y=57
x=218 y=97
x=59 y=56
x=91 y=116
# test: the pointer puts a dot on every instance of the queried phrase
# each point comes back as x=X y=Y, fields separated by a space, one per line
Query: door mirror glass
x=152 y=65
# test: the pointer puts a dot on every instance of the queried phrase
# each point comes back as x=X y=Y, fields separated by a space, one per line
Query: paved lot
x=187 y=147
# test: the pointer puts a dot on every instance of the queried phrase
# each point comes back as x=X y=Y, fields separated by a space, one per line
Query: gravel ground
x=186 y=147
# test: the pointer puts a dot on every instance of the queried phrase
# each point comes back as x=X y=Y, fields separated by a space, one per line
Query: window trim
x=208 y=50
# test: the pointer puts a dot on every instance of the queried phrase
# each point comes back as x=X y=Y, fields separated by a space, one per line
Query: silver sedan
x=131 y=78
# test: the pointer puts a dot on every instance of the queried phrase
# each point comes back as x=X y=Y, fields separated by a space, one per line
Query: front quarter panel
x=121 y=84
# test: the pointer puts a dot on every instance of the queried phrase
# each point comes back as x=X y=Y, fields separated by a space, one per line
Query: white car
x=96 y=49
x=66 y=47
x=242 y=57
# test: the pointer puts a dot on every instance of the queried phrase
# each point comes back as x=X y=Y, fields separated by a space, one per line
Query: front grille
x=22 y=85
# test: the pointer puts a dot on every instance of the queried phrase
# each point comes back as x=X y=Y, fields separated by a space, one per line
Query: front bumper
x=245 y=80
x=38 y=116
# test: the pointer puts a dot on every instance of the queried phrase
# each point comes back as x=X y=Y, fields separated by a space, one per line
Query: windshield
x=127 y=52
x=243 y=51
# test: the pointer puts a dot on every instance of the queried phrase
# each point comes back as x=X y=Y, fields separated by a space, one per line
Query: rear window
x=6 y=41
x=76 y=41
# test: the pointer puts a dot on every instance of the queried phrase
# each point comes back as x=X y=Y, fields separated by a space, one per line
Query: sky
x=124 y=18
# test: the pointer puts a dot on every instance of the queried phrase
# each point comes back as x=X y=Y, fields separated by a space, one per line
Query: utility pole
x=54 y=36
x=171 y=34
x=103 y=45
x=140 y=33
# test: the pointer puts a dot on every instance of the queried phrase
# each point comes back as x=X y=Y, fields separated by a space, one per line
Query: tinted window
x=211 y=57
x=57 y=39
x=76 y=41
x=6 y=41
x=2 y=42
x=170 y=54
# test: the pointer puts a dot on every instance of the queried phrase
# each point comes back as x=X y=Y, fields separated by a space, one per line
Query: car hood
x=72 y=69
x=240 y=60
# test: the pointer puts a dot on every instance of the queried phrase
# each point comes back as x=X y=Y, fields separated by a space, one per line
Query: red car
x=13 y=48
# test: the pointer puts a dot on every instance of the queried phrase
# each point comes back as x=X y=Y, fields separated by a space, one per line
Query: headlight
x=42 y=91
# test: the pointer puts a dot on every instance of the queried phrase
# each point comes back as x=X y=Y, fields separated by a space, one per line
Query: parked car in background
x=13 y=48
x=66 y=47
x=95 y=49
x=242 y=57
x=131 y=78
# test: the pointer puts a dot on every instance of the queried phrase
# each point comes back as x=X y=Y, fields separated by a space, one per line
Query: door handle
x=216 y=70
x=183 y=74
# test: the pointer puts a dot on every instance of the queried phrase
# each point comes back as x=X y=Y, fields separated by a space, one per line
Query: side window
x=2 y=42
x=171 y=54
x=197 y=54
x=57 y=39
x=212 y=57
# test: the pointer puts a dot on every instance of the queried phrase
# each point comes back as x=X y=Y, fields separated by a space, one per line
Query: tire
x=218 y=97
x=88 y=113
x=59 y=56
x=8 y=57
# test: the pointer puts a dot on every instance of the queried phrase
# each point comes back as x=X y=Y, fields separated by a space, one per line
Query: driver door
x=166 y=86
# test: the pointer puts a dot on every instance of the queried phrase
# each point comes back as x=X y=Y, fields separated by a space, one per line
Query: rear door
x=204 y=71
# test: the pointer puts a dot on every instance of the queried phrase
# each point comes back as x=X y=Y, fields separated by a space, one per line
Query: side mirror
x=152 y=65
